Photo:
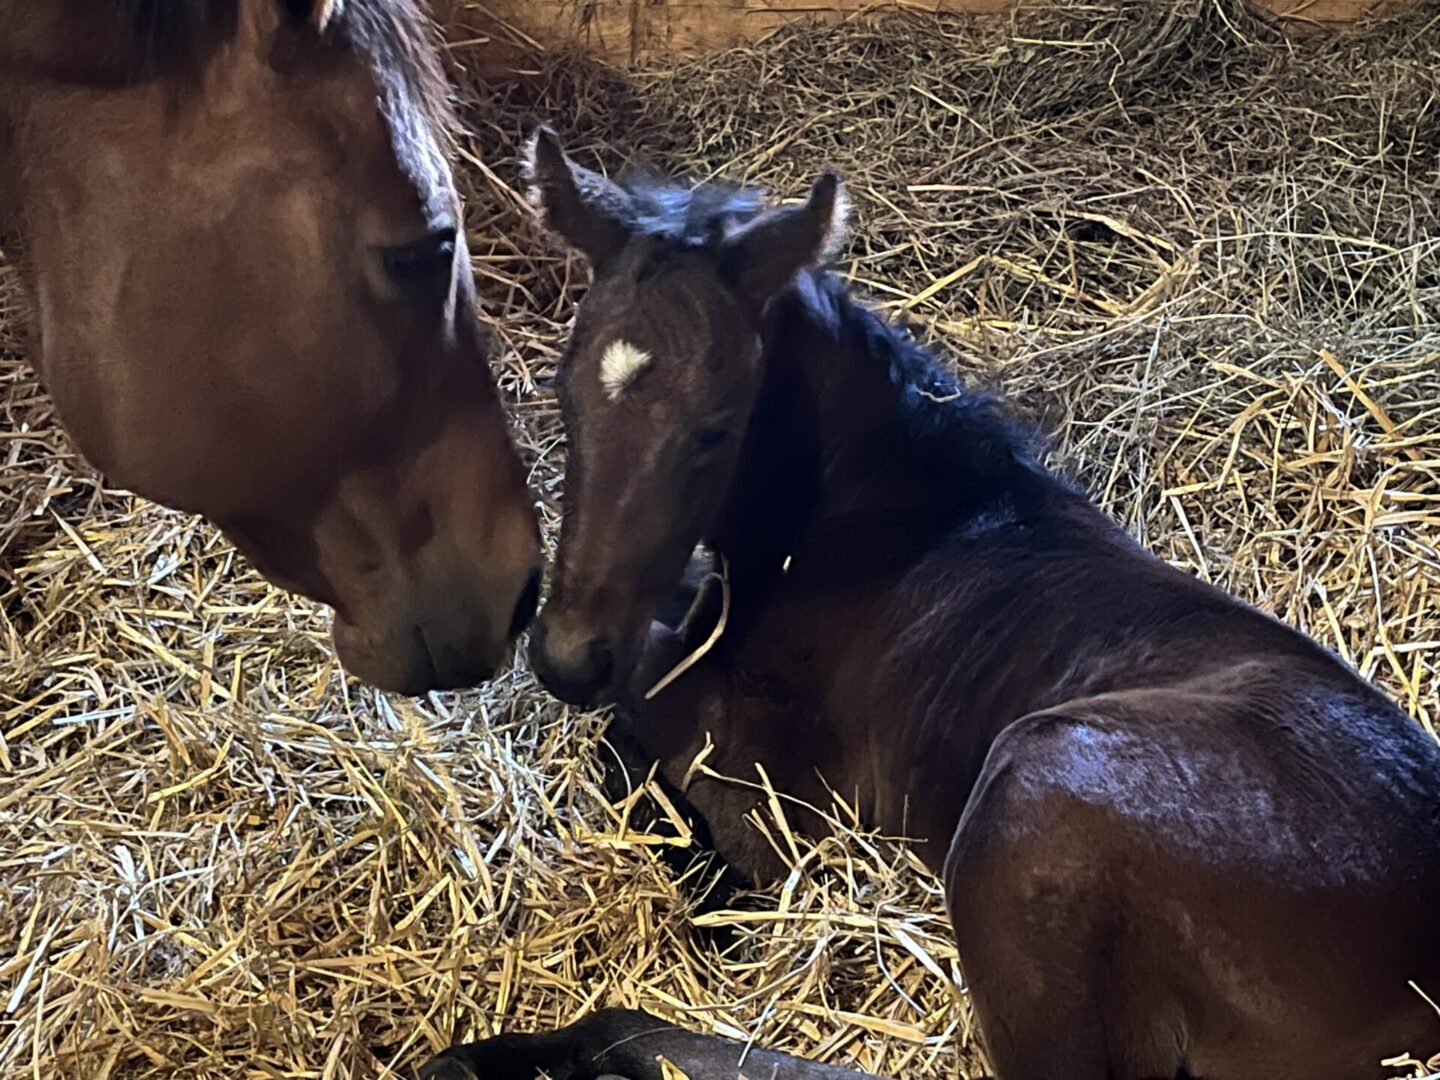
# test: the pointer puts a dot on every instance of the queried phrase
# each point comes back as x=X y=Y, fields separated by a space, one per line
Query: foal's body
x=1135 y=786
x=1178 y=838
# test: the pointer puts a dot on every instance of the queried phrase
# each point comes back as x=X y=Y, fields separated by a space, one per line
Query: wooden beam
x=626 y=31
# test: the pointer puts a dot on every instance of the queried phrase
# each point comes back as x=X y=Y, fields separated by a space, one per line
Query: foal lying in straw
x=1178 y=838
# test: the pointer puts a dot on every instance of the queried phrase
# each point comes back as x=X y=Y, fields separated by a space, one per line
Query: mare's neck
x=862 y=452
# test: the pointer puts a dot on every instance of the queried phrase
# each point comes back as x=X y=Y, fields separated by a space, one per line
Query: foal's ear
x=584 y=209
x=765 y=254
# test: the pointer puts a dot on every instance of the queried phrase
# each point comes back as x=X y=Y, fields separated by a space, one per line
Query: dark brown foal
x=1178 y=837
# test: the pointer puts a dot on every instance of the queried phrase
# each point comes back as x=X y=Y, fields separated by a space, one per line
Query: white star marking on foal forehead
x=619 y=364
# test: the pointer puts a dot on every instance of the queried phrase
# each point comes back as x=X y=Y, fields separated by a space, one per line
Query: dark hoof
x=446 y=1067
x=503 y=1057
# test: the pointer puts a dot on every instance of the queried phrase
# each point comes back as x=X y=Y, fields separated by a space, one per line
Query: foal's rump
x=1204 y=880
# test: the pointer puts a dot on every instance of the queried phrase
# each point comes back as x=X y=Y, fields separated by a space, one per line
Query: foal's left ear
x=587 y=211
x=765 y=254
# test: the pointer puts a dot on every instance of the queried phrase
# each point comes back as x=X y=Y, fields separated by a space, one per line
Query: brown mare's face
x=255 y=304
x=657 y=387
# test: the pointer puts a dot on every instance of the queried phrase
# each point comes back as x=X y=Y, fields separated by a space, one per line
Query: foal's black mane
x=664 y=208
x=936 y=405
x=957 y=425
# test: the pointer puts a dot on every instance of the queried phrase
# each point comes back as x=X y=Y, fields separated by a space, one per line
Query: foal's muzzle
x=576 y=666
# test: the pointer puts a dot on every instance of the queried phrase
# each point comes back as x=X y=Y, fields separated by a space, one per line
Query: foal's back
x=1024 y=608
x=1184 y=827
x=1181 y=831
x=1189 y=837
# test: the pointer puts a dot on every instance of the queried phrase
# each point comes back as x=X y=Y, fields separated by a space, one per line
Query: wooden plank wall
x=626 y=31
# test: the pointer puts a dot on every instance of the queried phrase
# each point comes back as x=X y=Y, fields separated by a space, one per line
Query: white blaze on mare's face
x=619 y=365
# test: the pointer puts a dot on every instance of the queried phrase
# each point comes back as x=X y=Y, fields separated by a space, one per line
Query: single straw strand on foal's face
x=716 y=632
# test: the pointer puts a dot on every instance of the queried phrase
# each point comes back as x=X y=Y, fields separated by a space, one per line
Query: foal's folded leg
x=708 y=880
x=624 y=1044
x=705 y=878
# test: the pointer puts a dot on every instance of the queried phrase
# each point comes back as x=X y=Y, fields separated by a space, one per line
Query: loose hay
x=1203 y=256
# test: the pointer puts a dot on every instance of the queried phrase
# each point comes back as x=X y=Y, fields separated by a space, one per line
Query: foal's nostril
x=602 y=664
x=527 y=604
x=575 y=668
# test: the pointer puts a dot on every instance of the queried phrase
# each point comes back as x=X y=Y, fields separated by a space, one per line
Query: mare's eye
x=423 y=261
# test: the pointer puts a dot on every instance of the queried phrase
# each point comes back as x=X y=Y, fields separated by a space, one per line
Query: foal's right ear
x=765 y=254
x=583 y=208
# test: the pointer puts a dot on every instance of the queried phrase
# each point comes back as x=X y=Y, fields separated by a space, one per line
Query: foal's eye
x=709 y=440
x=425 y=260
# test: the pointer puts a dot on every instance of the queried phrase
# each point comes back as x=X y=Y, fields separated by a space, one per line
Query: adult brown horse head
x=241 y=231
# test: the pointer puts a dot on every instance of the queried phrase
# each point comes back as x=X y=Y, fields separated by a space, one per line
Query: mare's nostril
x=526 y=606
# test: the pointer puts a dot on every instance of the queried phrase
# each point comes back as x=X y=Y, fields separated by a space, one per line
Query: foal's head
x=657 y=386
x=255 y=303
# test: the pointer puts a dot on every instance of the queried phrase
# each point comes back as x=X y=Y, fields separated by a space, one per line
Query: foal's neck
x=861 y=450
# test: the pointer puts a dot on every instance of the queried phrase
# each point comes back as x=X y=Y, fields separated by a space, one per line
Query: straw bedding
x=1204 y=256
